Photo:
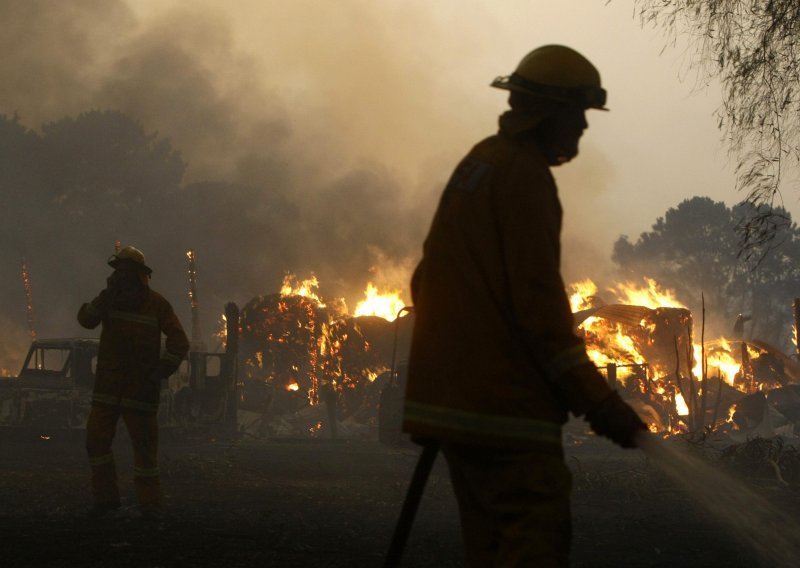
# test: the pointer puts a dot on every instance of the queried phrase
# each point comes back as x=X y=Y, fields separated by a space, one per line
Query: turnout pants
x=514 y=505
x=143 y=431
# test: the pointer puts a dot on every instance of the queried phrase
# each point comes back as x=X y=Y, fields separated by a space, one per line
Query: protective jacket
x=493 y=335
x=130 y=363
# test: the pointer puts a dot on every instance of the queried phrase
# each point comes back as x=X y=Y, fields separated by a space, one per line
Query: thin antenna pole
x=192 y=272
x=26 y=280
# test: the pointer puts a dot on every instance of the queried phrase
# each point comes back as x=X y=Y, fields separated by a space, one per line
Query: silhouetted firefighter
x=130 y=369
x=495 y=365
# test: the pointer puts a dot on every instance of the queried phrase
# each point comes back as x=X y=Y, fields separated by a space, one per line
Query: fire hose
x=410 y=505
x=769 y=531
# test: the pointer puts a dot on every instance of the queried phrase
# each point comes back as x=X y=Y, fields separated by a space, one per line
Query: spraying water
x=773 y=534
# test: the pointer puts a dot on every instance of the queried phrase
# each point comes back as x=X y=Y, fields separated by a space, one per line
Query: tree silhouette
x=693 y=250
x=751 y=47
x=105 y=159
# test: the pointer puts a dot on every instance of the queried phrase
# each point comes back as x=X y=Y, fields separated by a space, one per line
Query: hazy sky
x=405 y=84
x=355 y=112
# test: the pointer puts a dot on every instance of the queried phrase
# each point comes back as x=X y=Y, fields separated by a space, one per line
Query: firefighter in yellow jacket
x=130 y=369
x=495 y=365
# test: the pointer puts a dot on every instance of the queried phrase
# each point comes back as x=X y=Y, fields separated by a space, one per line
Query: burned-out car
x=52 y=392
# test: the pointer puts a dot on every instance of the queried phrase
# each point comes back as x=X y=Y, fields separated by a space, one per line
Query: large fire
x=645 y=343
x=301 y=349
x=305 y=349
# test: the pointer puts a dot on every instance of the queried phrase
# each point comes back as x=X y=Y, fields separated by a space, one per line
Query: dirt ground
x=329 y=503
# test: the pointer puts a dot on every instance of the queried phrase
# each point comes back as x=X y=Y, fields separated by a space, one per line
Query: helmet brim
x=585 y=97
x=115 y=262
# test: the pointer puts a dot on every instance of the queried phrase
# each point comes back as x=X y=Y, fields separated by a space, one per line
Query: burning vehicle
x=648 y=349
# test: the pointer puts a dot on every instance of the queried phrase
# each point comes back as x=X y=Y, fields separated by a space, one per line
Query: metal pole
x=611 y=370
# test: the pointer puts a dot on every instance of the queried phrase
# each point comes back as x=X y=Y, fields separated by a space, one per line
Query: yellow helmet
x=558 y=73
x=129 y=254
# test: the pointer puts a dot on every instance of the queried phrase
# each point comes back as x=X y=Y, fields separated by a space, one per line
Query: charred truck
x=52 y=393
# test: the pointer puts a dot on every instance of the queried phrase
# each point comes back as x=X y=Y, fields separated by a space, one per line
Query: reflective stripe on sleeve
x=139 y=405
x=145 y=471
x=105 y=399
x=102 y=460
x=565 y=360
x=171 y=358
x=486 y=424
x=135 y=318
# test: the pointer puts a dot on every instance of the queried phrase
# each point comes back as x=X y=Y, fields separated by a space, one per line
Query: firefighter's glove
x=616 y=420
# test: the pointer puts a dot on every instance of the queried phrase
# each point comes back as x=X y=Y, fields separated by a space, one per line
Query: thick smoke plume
x=262 y=191
x=303 y=137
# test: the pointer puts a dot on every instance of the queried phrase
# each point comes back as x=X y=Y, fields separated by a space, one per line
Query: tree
x=73 y=190
x=105 y=160
x=751 y=47
x=693 y=250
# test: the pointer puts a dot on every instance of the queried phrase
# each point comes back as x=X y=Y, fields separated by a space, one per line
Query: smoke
x=584 y=186
x=317 y=138
x=273 y=184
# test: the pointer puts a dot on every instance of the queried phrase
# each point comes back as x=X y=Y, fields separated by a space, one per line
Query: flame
x=627 y=346
x=719 y=360
x=582 y=292
x=305 y=288
x=293 y=387
x=382 y=304
x=680 y=405
x=651 y=296
x=222 y=329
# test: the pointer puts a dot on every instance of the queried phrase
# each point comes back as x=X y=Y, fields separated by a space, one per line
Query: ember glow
x=306 y=349
x=192 y=274
x=26 y=280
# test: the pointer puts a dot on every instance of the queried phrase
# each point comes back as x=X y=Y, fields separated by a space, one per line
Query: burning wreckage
x=52 y=393
x=297 y=365
x=309 y=368
x=293 y=365
x=647 y=348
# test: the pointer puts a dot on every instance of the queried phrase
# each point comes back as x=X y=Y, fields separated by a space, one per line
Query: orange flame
x=581 y=294
x=651 y=296
x=382 y=304
x=305 y=288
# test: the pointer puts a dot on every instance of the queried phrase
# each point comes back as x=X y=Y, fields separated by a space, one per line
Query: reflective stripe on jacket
x=493 y=330
x=130 y=351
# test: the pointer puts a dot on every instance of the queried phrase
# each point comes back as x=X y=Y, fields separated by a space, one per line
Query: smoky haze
x=296 y=137
x=262 y=194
